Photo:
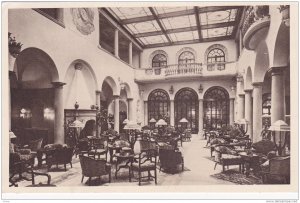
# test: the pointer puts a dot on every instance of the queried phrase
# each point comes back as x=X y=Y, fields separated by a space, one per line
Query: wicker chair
x=98 y=147
x=227 y=157
x=94 y=168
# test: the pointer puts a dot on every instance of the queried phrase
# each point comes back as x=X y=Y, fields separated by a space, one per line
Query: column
x=59 y=134
x=241 y=106
x=98 y=103
x=200 y=124
x=172 y=113
x=231 y=108
x=248 y=111
x=130 y=109
x=277 y=94
x=257 y=111
x=130 y=53
x=116 y=113
x=146 y=112
x=116 y=43
x=140 y=59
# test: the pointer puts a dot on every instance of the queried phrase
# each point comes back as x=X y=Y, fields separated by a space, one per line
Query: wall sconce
x=200 y=88
x=25 y=113
x=49 y=113
x=171 y=90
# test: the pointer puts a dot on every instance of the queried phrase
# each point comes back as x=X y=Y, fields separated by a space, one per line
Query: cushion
x=145 y=165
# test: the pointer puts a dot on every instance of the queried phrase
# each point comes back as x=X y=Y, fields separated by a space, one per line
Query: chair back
x=147 y=156
x=63 y=155
x=35 y=145
x=280 y=166
x=264 y=146
x=92 y=167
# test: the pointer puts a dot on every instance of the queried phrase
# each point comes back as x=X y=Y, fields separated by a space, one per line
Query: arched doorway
x=159 y=105
x=216 y=108
x=187 y=106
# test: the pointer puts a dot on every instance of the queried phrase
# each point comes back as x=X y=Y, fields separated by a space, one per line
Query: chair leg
x=215 y=166
x=139 y=177
x=109 y=177
x=71 y=164
x=89 y=181
x=129 y=174
x=223 y=168
x=82 y=178
x=65 y=165
x=149 y=175
x=155 y=174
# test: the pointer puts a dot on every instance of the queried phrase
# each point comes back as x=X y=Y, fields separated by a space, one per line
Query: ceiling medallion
x=83 y=19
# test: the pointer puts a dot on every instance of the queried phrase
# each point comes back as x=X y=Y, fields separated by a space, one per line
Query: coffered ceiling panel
x=163 y=26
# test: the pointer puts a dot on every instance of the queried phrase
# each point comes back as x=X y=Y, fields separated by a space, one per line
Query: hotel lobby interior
x=149 y=96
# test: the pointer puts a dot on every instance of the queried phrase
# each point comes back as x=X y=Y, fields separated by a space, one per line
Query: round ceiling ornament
x=83 y=19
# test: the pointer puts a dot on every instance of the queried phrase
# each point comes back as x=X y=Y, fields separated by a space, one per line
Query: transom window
x=159 y=60
x=186 y=57
x=158 y=105
x=215 y=56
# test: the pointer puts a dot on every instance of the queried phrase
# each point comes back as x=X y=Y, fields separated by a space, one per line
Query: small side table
x=250 y=161
x=111 y=149
x=126 y=158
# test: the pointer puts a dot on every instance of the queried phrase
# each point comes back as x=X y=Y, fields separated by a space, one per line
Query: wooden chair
x=98 y=147
x=278 y=171
x=146 y=161
x=227 y=157
x=94 y=168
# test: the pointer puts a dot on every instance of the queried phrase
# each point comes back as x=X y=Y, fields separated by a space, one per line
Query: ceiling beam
x=185 y=29
x=178 y=14
x=189 y=42
x=160 y=25
x=197 y=16
x=237 y=21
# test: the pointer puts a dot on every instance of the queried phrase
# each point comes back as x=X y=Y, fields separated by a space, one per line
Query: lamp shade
x=161 y=122
x=279 y=125
x=131 y=125
x=152 y=120
x=125 y=121
x=76 y=124
x=183 y=120
x=12 y=135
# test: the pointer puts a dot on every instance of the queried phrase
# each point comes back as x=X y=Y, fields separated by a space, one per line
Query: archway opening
x=216 y=108
x=187 y=106
x=159 y=105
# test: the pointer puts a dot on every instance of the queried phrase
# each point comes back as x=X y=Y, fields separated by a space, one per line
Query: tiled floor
x=198 y=169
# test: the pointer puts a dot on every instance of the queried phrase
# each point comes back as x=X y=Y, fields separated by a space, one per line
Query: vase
x=76 y=105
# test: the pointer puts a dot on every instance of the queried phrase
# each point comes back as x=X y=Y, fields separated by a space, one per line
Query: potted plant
x=285 y=11
x=14 y=47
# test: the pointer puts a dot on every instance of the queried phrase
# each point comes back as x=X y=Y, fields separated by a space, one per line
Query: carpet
x=238 y=178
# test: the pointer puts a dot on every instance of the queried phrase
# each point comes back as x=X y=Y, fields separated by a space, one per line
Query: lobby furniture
x=227 y=157
x=98 y=147
x=94 y=168
x=262 y=148
x=116 y=147
x=169 y=159
x=123 y=160
x=59 y=156
x=278 y=171
x=250 y=161
x=145 y=161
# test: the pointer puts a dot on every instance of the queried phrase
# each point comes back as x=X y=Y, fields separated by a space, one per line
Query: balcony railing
x=254 y=14
x=190 y=70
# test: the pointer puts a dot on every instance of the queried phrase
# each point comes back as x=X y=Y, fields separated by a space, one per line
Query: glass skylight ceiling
x=163 y=26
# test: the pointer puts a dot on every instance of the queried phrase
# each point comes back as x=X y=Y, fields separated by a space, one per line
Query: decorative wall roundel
x=83 y=19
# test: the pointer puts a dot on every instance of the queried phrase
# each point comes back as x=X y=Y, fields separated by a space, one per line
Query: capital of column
x=277 y=70
x=248 y=90
x=116 y=96
x=239 y=78
x=58 y=84
x=241 y=95
x=257 y=84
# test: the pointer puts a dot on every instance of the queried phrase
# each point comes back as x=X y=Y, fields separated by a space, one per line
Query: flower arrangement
x=14 y=47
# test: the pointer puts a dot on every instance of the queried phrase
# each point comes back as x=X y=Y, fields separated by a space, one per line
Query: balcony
x=256 y=26
x=184 y=72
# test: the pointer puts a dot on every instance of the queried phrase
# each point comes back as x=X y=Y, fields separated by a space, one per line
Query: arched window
x=159 y=60
x=215 y=56
x=186 y=58
x=216 y=108
x=158 y=105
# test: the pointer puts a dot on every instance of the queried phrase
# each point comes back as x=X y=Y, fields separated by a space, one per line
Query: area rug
x=238 y=178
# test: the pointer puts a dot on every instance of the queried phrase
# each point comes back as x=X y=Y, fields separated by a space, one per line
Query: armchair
x=278 y=171
x=94 y=168
x=170 y=159
x=60 y=155
x=227 y=157
x=98 y=147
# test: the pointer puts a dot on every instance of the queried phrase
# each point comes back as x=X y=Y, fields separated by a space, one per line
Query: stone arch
x=186 y=49
x=111 y=82
x=81 y=84
x=35 y=68
x=216 y=46
x=127 y=90
x=282 y=47
x=155 y=53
